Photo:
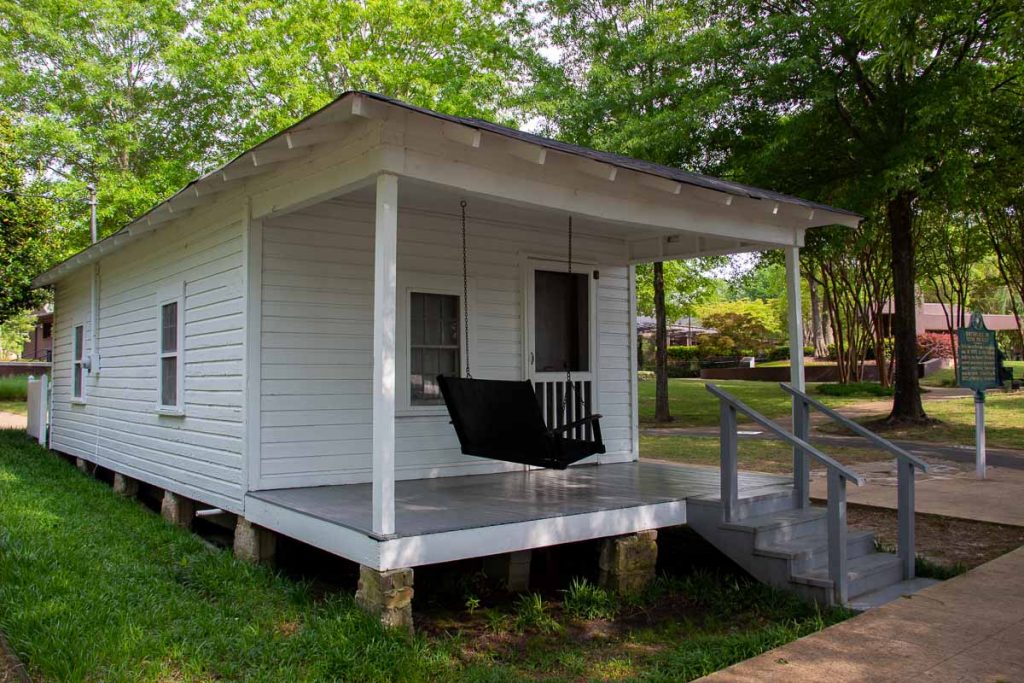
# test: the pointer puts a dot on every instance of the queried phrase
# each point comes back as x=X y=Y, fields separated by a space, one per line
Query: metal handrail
x=857 y=428
x=796 y=441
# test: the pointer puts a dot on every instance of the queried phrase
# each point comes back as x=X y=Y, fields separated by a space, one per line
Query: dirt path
x=12 y=421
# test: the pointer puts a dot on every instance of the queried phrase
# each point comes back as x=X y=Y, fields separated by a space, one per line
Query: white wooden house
x=256 y=342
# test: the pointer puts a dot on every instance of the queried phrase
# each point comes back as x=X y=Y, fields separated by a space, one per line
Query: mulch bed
x=943 y=540
x=11 y=668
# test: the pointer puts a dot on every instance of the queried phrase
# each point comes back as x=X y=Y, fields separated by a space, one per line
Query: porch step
x=786 y=546
x=865 y=574
x=888 y=594
x=811 y=552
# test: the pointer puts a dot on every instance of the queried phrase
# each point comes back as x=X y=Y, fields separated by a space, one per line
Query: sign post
x=978 y=369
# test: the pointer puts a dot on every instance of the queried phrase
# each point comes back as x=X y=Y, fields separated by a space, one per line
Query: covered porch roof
x=667 y=212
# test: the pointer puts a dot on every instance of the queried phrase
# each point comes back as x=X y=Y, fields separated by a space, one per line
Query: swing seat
x=501 y=420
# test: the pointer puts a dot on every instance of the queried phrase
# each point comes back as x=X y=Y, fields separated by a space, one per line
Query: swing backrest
x=496 y=417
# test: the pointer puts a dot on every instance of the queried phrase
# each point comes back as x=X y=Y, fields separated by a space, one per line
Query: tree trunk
x=661 y=412
x=906 y=405
x=817 y=328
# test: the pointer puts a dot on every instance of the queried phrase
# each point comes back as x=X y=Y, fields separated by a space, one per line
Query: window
x=170 y=355
x=46 y=330
x=435 y=344
x=78 y=370
x=561 y=321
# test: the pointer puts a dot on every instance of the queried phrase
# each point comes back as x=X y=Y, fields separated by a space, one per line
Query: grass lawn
x=14 y=388
x=96 y=588
x=1004 y=421
x=761 y=455
x=17 y=407
x=692 y=406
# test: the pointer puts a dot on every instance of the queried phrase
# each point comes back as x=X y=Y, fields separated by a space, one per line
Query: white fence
x=38 y=407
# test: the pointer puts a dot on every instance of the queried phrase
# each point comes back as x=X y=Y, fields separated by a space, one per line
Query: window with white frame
x=170 y=355
x=78 y=367
x=435 y=344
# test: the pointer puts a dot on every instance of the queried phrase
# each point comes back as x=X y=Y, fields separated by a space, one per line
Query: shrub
x=584 y=600
x=683 y=353
x=782 y=352
x=14 y=388
x=855 y=389
x=935 y=345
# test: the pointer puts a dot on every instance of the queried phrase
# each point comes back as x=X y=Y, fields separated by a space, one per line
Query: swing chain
x=465 y=288
x=570 y=388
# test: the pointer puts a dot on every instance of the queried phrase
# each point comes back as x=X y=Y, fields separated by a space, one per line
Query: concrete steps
x=785 y=545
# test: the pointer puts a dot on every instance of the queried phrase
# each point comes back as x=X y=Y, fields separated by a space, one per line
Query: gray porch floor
x=427 y=506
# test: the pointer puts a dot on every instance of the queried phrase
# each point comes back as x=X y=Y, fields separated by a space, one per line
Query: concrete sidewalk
x=950 y=490
x=970 y=628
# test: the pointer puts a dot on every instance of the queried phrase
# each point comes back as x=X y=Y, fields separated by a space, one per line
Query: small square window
x=435 y=345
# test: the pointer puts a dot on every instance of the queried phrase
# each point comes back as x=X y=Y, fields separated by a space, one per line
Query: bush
x=683 y=353
x=14 y=388
x=782 y=352
x=855 y=389
x=935 y=345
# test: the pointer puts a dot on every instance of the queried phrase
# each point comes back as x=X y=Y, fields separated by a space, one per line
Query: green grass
x=868 y=389
x=97 y=588
x=759 y=455
x=14 y=388
x=692 y=406
x=16 y=407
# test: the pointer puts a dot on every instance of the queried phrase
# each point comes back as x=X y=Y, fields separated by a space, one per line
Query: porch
x=450 y=518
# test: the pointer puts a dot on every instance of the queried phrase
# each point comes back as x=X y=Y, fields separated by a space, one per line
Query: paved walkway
x=949 y=490
x=12 y=421
x=970 y=628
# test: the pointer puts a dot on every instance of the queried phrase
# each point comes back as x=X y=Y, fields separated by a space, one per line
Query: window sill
x=78 y=402
x=170 y=412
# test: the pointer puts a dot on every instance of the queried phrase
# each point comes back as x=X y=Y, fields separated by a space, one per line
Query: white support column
x=801 y=417
x=384 y=300
x=796 y=321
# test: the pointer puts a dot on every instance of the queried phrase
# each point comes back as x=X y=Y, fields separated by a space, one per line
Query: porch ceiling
x=646 y=242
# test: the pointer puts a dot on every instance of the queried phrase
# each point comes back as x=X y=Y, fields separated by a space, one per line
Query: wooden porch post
x=801 y=412
x=385 y=256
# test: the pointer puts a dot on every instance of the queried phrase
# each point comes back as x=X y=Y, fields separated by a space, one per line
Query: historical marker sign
x=978 y=367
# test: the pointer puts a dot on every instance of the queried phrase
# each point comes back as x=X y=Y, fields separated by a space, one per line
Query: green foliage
x=688 y=284
x=14 y=388
x=584 y=600
x=531 y=615
x=854 y=389
x=742 y=327
x=14 y=332
x=782 y=352
x=683 y=353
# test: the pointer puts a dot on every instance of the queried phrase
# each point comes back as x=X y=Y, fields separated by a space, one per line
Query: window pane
x=435 y=343
x=169 y=381
x=169 y=328
x=79 y=336
x=561 y=321
x=77 y=392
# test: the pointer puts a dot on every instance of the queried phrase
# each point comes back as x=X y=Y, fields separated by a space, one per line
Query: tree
x=14 y=332
x=952 y=246
x=28 y=242
x=669 y=290
x=140 y=96
x=743 y=326
x=869 y=105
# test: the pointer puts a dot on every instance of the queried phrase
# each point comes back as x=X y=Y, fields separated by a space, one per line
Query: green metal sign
x=978 y=365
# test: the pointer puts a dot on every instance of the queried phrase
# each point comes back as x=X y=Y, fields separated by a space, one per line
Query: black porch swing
x=502 y=420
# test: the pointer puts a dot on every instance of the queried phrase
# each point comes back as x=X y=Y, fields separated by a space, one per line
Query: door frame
x=531 y=264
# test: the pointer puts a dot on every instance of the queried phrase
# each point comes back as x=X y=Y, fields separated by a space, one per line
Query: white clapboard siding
x=316 y=328
x=198 y=454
